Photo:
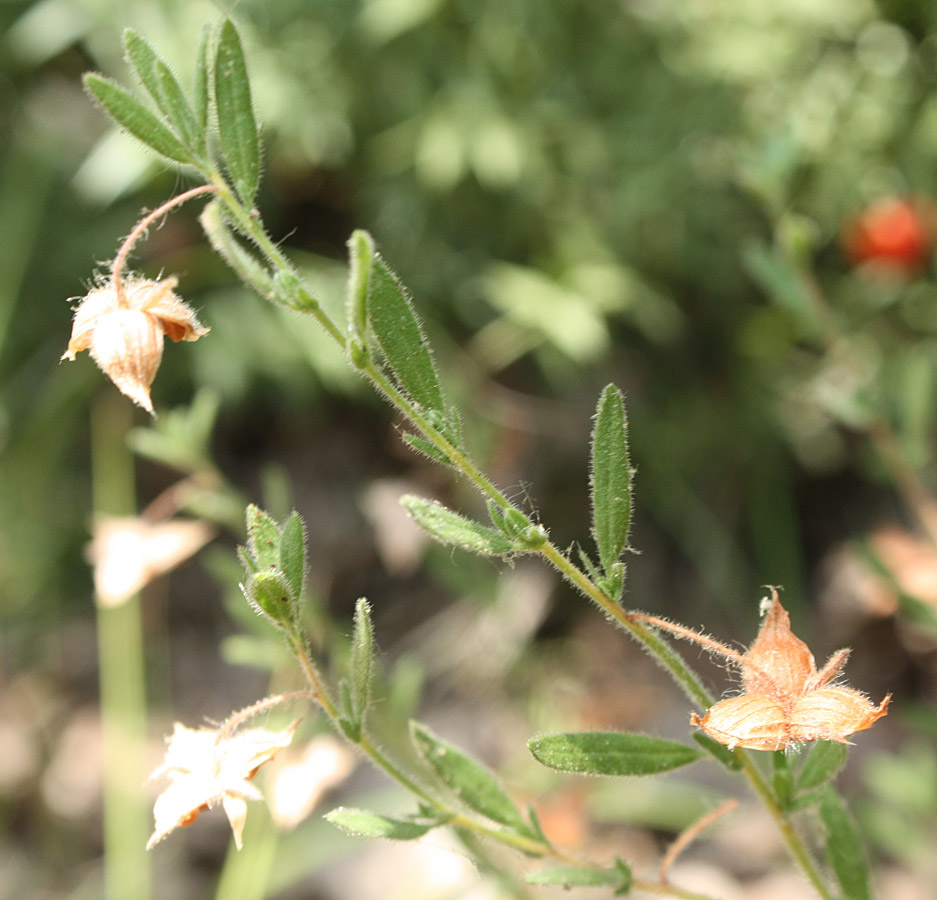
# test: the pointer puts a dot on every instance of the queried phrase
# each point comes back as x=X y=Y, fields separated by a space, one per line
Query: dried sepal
x=786 y=700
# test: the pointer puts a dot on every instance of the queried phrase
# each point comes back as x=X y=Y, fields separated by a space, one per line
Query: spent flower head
x=207 y=766
x=123 y=328
x=123 y=321
x=785 y=699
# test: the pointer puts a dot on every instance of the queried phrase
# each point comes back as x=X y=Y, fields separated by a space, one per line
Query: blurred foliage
x=572 y=191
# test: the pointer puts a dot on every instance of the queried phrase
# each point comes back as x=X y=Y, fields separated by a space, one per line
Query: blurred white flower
x=298 y=781
x=128 y=553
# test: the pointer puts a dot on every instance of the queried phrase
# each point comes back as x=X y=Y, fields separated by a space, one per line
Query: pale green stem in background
x=127 y=817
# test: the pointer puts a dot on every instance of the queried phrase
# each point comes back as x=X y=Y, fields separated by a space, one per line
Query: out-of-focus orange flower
x=894 y=233
x=785 y=699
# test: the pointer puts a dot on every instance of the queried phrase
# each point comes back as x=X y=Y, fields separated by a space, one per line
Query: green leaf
x=468 y=779
x=362 y=661
x=844 y=847
x=451 y=528
x=200 y=92
x=397 y=328
x=610 y=478
x=363 y=823
x=135 y=118
x=427 y=449
x=611 y=753
x=263 y=537
x=572 y=876
x=292 y=556
x=237 y=128
x=823 y=762
x=158 y=79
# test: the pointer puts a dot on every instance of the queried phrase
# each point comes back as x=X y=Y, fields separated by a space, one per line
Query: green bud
x=270 y=595
x=358 y=353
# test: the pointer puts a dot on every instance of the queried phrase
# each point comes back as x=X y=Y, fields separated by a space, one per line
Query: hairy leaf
x=467 y=778
x=610 y=478
x=135 y=118
x=611 y=753
x=237 y=127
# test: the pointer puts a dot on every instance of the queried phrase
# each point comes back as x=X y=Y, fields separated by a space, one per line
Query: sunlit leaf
x=611 y=753
x=362 y=823
x=451 y=528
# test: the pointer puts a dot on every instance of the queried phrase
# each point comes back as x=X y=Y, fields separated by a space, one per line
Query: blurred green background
x=650 y=192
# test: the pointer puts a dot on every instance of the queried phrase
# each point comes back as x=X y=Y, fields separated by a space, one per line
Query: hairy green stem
x=647 y=637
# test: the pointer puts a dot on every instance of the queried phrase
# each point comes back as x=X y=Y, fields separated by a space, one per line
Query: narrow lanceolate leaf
x=362 y=661
x=237 y=128
x=611 y=753
x=363 y=823
x=158 y=79
x=292 y=557
x=844 y=847
x=572 y=876
x=200 y=91
x=610 y=480
x=451 y=528
x=823 y=762
x=263 y=538
x=397 y=328
x=467 y=778
x=135 y=118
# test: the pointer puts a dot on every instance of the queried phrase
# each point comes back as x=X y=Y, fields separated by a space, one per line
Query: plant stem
x=122 y=679
x=653 y=644
x=141 y=227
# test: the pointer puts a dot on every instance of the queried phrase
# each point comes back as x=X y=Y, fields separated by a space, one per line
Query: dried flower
x=128 y=553
x=786 y=700
x=210 y=765
x=123 y=324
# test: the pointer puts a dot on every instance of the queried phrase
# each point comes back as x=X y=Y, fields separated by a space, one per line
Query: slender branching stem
x=639 y=626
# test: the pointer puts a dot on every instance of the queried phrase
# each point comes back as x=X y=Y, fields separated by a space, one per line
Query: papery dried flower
x=123 y=325
x=786 y=700
x=128 y=553
x=206 y=766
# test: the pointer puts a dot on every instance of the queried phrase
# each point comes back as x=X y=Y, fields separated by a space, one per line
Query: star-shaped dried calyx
x=123 y=327
x=206 y=766
x=785 y=700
